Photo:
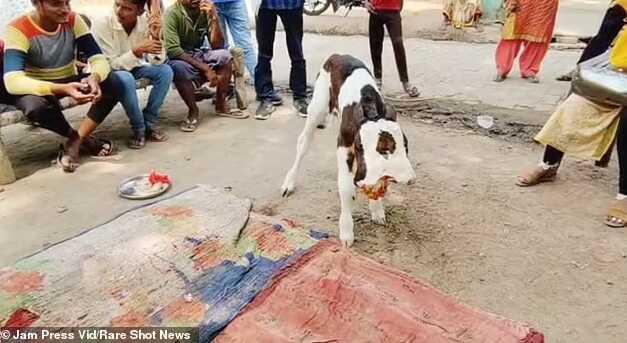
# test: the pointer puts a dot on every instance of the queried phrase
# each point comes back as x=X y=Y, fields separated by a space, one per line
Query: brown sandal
x=617 y=215
x=537 y=175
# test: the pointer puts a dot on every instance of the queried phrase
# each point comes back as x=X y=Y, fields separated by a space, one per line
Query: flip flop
x=617 y=215
x=98 y=147
x=411 y=90
x=189 y=125
x=235 y=114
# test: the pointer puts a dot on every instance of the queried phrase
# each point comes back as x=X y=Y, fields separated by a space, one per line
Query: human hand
x=93 y=82
x=512 y=6
x=207 y=6
x=212 y=77
x=148 y=46
x=76 y=90
x=370 y=7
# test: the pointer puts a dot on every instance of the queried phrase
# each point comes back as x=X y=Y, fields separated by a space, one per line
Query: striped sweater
x=35 y=58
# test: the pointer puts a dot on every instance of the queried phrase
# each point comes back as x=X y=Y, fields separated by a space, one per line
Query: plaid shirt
x=282 y=4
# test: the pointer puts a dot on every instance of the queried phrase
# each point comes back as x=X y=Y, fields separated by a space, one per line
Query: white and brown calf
x=371 y=149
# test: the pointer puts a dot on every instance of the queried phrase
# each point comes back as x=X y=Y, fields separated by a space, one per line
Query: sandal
x=66 y=162
x=156 y=135
x=411 y=90
x=537 y=175
x=235 y=114
x=189 y=125
x=98 y=147
x=617 y=215
x=566 y=77
x=137 y=141
x=532 y=79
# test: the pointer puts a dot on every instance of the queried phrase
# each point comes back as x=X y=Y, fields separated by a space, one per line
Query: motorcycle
x=317 y=7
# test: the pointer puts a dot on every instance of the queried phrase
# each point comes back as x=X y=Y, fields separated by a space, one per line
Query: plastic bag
x=597 y=80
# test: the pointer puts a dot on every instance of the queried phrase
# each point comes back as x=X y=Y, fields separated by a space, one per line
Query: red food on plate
x=159 y=178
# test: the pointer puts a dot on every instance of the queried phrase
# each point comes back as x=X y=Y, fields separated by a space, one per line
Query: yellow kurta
x=581 y=128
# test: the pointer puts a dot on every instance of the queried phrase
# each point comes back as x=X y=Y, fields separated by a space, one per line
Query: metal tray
x=139 y=188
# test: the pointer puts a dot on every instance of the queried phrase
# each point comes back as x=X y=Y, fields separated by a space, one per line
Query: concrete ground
x=534 y=255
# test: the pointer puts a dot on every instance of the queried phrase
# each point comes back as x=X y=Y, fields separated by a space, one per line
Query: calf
x=371 y=147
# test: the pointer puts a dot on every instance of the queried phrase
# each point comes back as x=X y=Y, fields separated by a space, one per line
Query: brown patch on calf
x=352 y=117
x=340 y=67
x=386 y=144
x=350 y=160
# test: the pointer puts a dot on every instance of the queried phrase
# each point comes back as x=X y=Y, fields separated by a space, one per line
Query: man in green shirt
x=195 y=46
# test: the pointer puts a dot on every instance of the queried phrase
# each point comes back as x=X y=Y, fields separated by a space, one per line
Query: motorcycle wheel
x=316 y=7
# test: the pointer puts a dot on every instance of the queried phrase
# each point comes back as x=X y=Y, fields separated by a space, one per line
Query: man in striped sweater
x=40 y=68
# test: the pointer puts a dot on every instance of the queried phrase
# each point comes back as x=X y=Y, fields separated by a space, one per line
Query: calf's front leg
x=377 y=212
x=346 y=189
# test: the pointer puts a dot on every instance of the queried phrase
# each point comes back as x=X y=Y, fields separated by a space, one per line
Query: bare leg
x=186 y=90
x=222 y=88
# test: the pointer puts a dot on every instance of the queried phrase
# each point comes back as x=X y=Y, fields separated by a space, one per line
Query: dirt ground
x=539 y=255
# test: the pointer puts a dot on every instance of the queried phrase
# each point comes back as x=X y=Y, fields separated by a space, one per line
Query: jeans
x=233 y=14
x=160 y=77
x=266 y=28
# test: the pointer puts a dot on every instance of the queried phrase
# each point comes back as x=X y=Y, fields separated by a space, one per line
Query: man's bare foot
x=190 y=124
x=69 y=158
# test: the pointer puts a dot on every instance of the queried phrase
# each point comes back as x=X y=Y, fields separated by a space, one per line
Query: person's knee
x=33 y=107
x=123 y=80
x=165 y=73
x=181 y=71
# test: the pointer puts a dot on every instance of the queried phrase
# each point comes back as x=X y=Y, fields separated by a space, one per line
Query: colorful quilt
x=202 y=259
x=184 y=261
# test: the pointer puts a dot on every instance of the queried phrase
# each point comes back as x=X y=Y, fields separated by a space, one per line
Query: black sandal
x=98 y=147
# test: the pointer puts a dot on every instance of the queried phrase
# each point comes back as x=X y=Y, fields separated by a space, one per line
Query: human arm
x=86 y=44
x=217 y=37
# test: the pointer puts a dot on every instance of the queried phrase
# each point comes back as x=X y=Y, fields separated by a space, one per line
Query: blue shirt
x=282 y=4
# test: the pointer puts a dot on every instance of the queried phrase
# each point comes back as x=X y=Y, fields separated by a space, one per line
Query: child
x=388 y=13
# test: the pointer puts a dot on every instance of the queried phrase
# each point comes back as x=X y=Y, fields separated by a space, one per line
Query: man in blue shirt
x=291 y=14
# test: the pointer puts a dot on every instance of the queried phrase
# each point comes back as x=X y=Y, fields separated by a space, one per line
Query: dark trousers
x=266 y=28
x=554 y=156
x=46 y=112
x=392 y=21
x=610 y=27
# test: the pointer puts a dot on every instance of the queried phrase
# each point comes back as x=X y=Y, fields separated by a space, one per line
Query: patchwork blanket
x=201 y=259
